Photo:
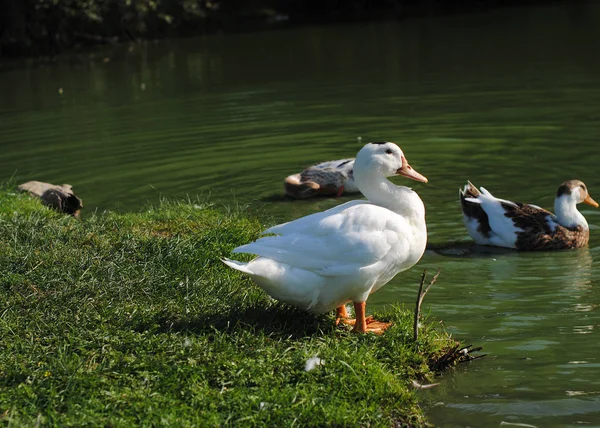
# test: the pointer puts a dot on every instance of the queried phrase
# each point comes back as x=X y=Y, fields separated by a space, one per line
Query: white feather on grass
x=312 y=363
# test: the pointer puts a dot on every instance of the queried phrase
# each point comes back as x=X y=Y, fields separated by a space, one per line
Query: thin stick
x=420 y=298
x=417 y=307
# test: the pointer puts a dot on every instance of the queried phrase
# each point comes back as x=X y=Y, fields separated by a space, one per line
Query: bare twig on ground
x=455 y=354
x=420 y=298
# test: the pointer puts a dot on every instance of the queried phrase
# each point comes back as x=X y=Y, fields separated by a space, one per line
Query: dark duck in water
x=331 y=178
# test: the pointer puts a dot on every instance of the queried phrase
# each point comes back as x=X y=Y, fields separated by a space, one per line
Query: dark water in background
x=508 y=99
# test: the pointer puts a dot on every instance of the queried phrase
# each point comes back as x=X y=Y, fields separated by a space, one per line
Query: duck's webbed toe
x=371 y=326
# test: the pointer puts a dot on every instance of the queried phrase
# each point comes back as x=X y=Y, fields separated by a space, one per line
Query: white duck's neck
x=567 y=214
x=400 y=199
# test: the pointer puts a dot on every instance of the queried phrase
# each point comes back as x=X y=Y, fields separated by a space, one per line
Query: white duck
x=493 y=221
x=322 y=261
x=326 y=178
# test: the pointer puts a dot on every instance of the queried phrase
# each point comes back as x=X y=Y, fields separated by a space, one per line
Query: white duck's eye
x=389 y=151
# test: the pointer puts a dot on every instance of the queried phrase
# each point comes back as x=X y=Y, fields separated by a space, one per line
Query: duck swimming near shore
x=331 y=178
x=323 y=261
x=502 y=223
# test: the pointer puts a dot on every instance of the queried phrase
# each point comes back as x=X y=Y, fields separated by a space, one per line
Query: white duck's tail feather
x=486 y=196
x=285 y=283
x=486 y=192
x=241 y=266
x=485 y=218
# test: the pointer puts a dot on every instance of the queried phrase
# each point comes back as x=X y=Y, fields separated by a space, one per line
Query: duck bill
x=590 y=201
x=408 y=172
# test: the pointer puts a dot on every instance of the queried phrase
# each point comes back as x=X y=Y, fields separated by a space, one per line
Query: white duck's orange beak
x=590 y=201
x=408 y=172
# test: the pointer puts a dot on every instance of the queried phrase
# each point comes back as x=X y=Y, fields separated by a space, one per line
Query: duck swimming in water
x=322 y=261
x=493 y=221
x=324 y=179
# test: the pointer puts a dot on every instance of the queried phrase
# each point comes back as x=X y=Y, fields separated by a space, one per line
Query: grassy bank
x=132 y=319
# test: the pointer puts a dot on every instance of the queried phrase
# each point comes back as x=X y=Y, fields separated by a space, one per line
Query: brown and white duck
x=331 y=178
x=502 y=223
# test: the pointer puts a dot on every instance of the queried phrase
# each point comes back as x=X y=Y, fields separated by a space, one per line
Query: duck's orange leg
x=366 y=325
x=341 y=314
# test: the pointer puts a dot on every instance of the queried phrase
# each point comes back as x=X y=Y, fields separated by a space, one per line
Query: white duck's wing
x=339 y=243
x=309 y=221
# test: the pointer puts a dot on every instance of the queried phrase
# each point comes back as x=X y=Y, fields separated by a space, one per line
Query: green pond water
x=509 y=99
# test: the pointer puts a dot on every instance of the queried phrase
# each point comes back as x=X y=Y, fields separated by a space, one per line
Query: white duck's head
x=384 y=159
x=569 y=194
x=376 y=161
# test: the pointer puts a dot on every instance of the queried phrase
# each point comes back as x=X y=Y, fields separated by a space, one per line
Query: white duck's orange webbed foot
x=364 y=324
x=341 y=315
x=352 y=321
x=373 y=326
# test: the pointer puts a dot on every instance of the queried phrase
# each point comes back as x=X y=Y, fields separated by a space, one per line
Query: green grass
x=131 y=319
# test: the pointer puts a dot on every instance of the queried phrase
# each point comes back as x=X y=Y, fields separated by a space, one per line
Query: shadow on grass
x=275 y=320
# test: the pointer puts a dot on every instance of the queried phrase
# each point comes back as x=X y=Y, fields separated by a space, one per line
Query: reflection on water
x=545 y=408
x=508 y=99
x=533 y=313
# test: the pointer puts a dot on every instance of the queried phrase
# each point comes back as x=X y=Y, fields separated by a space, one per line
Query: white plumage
x=495 y=210
x=322 y=261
